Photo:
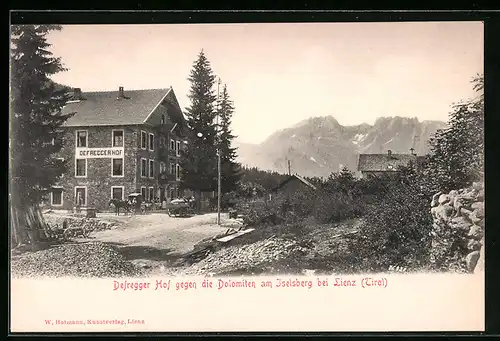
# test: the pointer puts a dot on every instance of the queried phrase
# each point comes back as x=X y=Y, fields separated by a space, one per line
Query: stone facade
x=147 y=142
x=99 y=181
x=458 y=229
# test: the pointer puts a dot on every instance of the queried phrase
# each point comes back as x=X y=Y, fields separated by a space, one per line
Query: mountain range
x=319 y=146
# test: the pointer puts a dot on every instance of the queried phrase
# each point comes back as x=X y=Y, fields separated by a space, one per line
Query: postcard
x=263 y=177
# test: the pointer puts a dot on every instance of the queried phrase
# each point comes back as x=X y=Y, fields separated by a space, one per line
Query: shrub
x=335 y=207
x=396 y=230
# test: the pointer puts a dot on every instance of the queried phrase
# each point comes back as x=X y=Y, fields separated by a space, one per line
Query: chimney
x=121 y=93
x=77 y=94
x=389 y=153
x=412 y=151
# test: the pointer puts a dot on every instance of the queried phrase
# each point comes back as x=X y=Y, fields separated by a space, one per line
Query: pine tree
x=199 y=159
x=230 y=169
x=36 y=119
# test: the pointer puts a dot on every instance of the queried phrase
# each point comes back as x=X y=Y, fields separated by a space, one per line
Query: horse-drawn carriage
x=136 y=204
x=180 y=208
x=133 y=205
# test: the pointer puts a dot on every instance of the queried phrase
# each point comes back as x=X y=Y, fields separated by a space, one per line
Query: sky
x=280 y=74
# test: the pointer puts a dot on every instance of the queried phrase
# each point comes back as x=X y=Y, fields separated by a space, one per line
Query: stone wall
x=98 y=180
x=458 y=229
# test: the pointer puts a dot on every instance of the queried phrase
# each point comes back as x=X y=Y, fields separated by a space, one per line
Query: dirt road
x=158 y=237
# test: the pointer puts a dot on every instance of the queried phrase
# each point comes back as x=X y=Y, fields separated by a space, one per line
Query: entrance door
x=81 y=196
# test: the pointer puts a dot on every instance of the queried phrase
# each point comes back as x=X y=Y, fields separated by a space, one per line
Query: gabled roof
x=105 y=108
x=295 y=177
x=386 y=163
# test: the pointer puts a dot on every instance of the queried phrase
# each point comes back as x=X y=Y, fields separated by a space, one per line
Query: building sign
x=99 y=153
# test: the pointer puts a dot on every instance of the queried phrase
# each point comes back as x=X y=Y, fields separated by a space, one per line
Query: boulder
x=443 y=198
x=434 y=201
x=474 y=218
x=469 y=195
x=460 y=203
x=471 y=260
x=442 y=212
x=475 y=232
x=480 y=223
x=465 y=213
x=477 y=205
x=478 y=185
x=474 y=245
x=460 y=223
x=479 y=211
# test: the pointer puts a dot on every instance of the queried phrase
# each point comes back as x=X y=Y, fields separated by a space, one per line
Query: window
x=117 y=192
x=81 y=138
x=163 y=167
x=178 y=148
x=80 y=196
x=172 y=144
x=151 y=194
x=56 y=197
x=143 y=193
x=162 y=119
x=117 y=138
x=151 y=142
x=116 y=167
x=172 y=168
x=177 y=172
x=81 y=168
x=144 y=139
x=151 y=168
x=144 y=168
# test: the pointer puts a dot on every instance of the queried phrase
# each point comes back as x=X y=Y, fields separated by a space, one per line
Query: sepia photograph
x=212 y=161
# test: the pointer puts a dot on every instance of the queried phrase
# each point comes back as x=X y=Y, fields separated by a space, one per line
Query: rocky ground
x=273 y=249
x=92 y=259
x=114 y=246
x=156 y=244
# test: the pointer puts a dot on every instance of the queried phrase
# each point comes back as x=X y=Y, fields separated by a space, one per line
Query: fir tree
x=230 y=169
x=35 y=124
x=199 y=159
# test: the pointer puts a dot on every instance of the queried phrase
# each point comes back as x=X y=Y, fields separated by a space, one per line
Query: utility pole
x=218 y=157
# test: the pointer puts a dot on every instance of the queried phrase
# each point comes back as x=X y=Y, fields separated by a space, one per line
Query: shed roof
x=386 y=163
x=295 y=177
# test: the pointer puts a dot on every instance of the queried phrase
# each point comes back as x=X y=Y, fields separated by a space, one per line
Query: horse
x=117 y=204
